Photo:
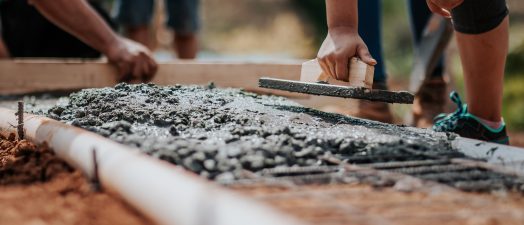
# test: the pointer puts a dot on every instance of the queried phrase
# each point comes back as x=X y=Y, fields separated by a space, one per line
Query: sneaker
x=468 y=125
x=377 y=111
x=429 y=102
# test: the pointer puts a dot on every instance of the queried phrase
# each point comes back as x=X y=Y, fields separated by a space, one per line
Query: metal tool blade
x=402 y=97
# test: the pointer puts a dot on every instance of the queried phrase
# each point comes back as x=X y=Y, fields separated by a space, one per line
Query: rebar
x=20 y=127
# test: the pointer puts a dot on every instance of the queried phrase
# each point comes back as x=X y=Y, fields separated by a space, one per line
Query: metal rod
x=20 y=114
x=95 y=181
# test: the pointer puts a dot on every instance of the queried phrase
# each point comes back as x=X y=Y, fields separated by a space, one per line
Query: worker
x=431 y=98
x=481 y=30
x=183 y=17
x=27 y=34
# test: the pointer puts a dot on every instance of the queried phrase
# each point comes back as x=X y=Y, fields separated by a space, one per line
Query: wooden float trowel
x=314 y=81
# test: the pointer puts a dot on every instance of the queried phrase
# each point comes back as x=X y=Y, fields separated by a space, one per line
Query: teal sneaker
x=467 y=125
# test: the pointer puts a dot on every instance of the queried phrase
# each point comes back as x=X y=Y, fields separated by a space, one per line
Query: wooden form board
x=27 y=76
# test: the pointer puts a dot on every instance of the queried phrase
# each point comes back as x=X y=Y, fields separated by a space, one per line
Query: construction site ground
x=363 y=204
x=37 y=187
x=291 y=157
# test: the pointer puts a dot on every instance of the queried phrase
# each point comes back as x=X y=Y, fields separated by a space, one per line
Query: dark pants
x=370 y=27
x=27 y=33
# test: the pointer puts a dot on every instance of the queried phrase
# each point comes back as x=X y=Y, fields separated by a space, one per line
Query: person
x=431 y=98
x=35 y=30
x=183 y=18
x=481 y=30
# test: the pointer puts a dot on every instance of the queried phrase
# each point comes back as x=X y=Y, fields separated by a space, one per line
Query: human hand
x=443 y=7
x=340 y=45
x=133 y=61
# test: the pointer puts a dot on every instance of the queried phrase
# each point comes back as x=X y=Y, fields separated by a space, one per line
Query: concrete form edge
x=508 y=157
x=163 y=192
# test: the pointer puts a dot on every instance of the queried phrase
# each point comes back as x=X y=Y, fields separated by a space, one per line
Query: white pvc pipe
x=165 y=193
x=509 y=157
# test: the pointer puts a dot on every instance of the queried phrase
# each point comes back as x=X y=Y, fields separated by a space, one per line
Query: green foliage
x=314 y=11
x=513 y=109
x=515 y=61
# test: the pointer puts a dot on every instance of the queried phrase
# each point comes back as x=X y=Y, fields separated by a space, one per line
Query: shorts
x=183 y=15
x=479 y=16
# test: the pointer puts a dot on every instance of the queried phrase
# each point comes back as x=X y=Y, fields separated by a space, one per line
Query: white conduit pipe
x=163 y=192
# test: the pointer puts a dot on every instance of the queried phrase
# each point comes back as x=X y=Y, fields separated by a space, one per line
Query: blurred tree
x=314 y=12
x=515 y=61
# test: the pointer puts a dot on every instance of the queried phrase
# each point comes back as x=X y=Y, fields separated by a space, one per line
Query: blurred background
x=271 y=30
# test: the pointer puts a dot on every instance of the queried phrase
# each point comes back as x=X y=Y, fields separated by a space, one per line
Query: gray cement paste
x=221 y=133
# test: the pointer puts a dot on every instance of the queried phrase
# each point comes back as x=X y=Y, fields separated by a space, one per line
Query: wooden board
x=27 y=76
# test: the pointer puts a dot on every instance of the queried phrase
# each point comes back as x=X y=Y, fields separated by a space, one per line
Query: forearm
x=79 y=19
x=342 y=13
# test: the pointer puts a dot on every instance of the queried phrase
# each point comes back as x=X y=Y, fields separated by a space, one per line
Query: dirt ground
x=516 y=138
x=36 y=187
x=360 y=204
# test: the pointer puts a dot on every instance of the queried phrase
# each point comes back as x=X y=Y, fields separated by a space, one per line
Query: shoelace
x=449 y=121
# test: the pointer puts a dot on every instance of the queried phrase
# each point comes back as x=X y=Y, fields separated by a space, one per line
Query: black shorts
x=27 y=33
x=479 y=16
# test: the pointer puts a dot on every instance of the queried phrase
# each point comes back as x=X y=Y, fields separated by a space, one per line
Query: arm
x=343 y=40
x=79 y=19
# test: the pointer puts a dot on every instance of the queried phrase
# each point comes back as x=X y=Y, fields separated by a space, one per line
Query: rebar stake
x=95 y=180
x=20 y=114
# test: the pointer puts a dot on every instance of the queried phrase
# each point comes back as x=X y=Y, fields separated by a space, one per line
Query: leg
x=135 y=16
x=370 y=29
x=482 y=38
x=140 y=34
x=3 y=50
x=186 y=45
x=184 y=20
x=483 y=59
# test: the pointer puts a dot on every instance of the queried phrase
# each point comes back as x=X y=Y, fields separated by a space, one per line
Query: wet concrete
x=223 y=133
x=337 y=91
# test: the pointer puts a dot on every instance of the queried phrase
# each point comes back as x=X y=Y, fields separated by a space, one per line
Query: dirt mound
x=21 y=162
x=36 y=187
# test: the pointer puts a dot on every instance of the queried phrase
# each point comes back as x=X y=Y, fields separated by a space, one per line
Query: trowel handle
x=360 y=73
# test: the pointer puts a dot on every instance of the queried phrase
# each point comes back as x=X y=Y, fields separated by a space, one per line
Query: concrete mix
x=222 y=133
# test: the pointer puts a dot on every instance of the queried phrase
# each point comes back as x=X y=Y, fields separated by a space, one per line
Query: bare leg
x=483 y=58
x=140 y=34
x=186 y=46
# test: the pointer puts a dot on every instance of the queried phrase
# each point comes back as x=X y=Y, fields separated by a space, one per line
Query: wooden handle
x=360 y=74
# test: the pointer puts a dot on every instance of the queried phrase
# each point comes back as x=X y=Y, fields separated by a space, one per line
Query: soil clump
x=37 y=187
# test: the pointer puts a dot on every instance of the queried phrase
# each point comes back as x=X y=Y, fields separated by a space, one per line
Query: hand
x=340 y=45
x=443 y=7
x=133 y=60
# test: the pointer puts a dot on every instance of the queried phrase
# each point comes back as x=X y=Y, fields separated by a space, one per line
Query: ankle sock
x=492 y=124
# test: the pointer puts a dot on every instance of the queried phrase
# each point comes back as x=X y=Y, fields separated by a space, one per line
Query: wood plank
x=26 y=76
